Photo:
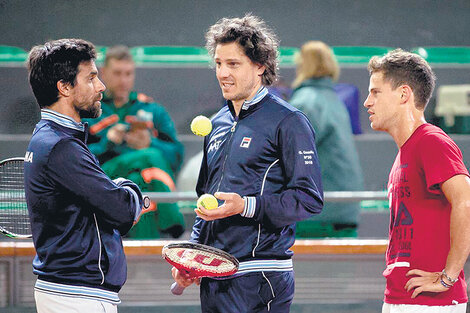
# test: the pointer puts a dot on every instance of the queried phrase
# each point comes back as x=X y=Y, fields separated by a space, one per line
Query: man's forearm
x=459 y=238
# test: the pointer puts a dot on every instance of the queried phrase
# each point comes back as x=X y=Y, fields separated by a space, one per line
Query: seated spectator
x=314 y=94
x=135 y=138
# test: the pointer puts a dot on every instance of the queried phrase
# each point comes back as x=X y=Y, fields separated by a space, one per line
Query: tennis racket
x=14 y=217
x=198 y=261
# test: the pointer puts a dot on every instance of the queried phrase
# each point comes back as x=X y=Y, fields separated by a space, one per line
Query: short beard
x=239 y=97
x=91 y=112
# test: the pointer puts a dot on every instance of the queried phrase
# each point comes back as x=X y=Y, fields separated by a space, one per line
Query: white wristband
x=250 y=206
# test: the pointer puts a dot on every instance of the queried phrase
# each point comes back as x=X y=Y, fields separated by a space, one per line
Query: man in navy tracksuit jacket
x=261 y=163
x=77 y=213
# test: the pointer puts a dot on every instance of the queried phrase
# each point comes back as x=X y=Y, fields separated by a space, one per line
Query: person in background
x=77 y=213
x=314 y=94
x=428 y=191
x=136 y=138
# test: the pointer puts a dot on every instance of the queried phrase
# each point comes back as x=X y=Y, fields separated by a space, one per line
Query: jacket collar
x=62 y=120
x=249 y=104
x=260 y=94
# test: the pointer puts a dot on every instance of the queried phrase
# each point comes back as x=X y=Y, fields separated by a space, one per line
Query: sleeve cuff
x=250 y=206
x=134 y=197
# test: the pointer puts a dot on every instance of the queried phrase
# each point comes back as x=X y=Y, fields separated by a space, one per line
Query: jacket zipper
x=232 y=131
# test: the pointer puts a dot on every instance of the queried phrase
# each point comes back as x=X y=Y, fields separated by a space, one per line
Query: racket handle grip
x=176 y=289
x=146 y=201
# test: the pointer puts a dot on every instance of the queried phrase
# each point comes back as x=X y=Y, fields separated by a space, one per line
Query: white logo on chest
x=214 y=145
x=215 y=142
x=28 y=157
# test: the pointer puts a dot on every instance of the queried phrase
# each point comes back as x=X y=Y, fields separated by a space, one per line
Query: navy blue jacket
x=268 y=155
x=77 y=213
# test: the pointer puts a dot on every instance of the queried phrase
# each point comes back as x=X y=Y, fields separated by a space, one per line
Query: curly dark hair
x=258 y=42
x=405 y=68
x=56 y=60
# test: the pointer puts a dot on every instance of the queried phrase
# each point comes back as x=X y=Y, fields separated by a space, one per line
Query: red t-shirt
x=420 y=215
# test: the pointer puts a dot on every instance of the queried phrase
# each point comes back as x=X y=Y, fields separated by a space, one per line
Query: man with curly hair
x=261 y=163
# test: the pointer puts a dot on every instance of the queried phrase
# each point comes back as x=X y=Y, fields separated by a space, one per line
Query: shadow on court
x=372 y=307
x=296 y=308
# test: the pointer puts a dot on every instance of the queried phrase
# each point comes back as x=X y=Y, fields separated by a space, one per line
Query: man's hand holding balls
x=208 y=209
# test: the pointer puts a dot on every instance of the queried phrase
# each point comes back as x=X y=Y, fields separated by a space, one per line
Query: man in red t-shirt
x=428 y=190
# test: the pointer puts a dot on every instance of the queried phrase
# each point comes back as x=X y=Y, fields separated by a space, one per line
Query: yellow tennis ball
x=201 y=126
x=207 y=201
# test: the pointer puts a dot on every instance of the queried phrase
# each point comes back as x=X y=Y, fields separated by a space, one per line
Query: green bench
x=184 y=55
x=170 y=54
x=10 y=54
x=444 y=55
x=344 y=54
